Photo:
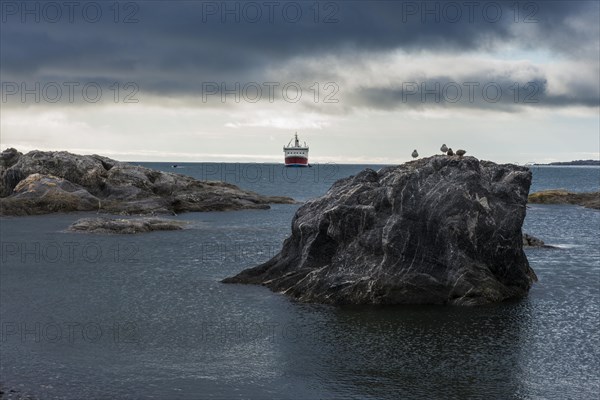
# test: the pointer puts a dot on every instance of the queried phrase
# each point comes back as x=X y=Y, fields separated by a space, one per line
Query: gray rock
x=116 y=187
x=125 y=226
x=41 y=194
x=8 y=158
x=440 y=230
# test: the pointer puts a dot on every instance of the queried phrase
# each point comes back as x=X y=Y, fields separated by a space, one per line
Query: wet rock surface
x=439 y=230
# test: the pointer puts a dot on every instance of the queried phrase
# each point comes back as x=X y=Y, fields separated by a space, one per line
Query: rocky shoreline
x=42 y=182
x=561 y=196
x=439 y=230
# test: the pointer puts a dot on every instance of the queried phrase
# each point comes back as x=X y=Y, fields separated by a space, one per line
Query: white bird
x=415 y=154
x=460 y=152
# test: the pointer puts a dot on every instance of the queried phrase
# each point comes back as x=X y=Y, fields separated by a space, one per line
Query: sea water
x=145 y=316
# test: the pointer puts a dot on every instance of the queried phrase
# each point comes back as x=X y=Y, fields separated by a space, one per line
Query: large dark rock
x=110 y=186
x=440 y=230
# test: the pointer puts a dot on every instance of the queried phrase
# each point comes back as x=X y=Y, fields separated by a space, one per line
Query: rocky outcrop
x=41 y=182
x=440 y=230
x=125 y=226
x=561 y=196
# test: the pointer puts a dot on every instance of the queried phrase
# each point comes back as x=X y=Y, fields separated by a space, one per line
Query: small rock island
x=562 y=196
x=125 y=226
x=438 y=230
x=42 y=182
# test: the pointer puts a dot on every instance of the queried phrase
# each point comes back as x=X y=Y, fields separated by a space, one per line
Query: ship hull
x=296 y=162
x=296 y=155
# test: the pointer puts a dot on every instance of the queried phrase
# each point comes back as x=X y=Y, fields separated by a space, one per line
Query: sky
x=360 y=81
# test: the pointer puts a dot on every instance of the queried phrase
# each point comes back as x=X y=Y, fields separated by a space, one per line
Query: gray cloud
x=176 y=46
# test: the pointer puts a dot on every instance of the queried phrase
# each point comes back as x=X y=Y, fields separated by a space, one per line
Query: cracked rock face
x=439 y=230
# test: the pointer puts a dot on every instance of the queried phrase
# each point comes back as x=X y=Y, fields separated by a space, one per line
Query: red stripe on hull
x=296 y=160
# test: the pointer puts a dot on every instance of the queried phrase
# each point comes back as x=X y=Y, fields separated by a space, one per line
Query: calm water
x=93 y=316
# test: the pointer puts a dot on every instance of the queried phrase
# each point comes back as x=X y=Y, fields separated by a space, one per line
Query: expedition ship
x=296 y=155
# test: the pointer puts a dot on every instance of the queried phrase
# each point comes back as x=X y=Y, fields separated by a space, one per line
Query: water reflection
x=417 y=351
x=199 y=338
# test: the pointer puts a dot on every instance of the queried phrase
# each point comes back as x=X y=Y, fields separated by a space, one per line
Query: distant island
x=561 y=196
x=576 y=162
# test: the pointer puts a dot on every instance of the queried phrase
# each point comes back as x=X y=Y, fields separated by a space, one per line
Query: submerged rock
x=561 y=196
x=14 y=394
x=532 y=241
x=61 y=181
x=440 y=230
x=125 y=226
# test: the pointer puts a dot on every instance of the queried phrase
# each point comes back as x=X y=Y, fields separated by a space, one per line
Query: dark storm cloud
x=172 y=47
x=492 y=93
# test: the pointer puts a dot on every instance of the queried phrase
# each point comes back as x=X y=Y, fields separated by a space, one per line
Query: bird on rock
x=444 y=148
x=450 y=152
x=460 y=152
x=415 y=154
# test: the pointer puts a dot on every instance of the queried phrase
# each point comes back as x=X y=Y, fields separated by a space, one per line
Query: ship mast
x=297 y=142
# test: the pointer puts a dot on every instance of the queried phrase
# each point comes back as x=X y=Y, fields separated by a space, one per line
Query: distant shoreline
x=574 y=163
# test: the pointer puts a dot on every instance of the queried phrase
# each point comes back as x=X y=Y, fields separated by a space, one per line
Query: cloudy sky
x=360 y=81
